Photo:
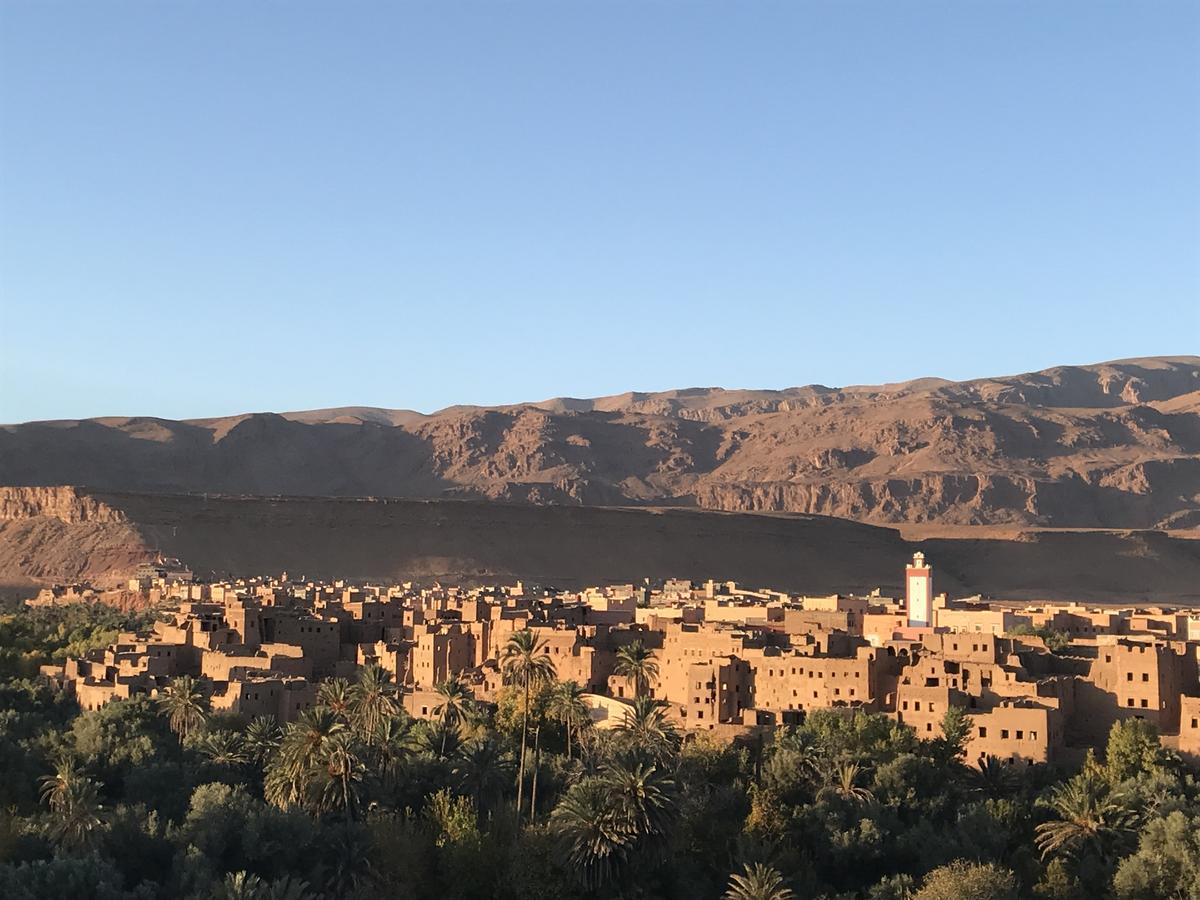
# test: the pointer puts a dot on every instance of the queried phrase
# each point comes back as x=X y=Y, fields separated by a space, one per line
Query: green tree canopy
x=968 y=881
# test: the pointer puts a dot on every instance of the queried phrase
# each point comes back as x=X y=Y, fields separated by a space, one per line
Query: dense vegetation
x=151 y=798
x=33 y=637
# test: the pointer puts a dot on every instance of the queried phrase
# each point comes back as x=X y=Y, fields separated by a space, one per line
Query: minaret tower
x=918 y=578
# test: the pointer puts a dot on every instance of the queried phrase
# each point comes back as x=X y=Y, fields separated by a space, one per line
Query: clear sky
x=210 y=207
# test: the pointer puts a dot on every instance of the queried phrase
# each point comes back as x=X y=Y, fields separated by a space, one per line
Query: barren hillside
x=1111 y=445
x=67 y=534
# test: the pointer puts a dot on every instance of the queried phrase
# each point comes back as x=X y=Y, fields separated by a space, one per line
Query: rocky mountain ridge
x=1113 y=445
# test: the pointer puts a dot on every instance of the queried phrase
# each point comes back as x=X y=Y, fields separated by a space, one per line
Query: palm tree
x=524 y=662
x=455 y=705
x=335 y=694
x=373 y=699
x=245 y=886
x=438 y=739
x=841 y=780
x=305 y=737
x=646 y=726
x=644 y=795
x=261 y=738
x=391 y=743
x=184 y=704
x=636 y=663
x=240 y=886
x=567 y=706
x=224 y=748
x=537 y=768
x=595 y=837
x=74 y=799
x=603 y=820
x=758 y=882
x=993 y=777
x=482 y=770
x=291 y=769
x=1088 y=815
x=283 y=786
x=56 y=788
x=337 y=776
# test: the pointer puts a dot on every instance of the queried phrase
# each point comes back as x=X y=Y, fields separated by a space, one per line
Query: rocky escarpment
x=66 y=504
x=1115 y=445
x=65 y=535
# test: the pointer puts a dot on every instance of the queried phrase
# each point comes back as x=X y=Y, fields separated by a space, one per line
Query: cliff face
x=1112 y=445
x=65 y=504
x=64 y=535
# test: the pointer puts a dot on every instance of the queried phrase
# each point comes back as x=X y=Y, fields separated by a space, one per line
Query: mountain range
x=1111 y=445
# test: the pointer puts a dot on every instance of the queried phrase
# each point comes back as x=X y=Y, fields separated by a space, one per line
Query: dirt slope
x=44 y=536
x=1111 y=445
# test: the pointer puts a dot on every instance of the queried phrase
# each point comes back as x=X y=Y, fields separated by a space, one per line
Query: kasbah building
x=736 y=663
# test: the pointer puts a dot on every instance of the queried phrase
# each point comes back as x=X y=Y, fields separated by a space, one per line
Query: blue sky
x=210 y=208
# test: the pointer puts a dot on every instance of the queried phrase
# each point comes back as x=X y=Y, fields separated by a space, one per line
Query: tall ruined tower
x=918 y=578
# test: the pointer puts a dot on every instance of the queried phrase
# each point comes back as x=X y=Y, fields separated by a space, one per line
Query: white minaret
x=919 y=581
